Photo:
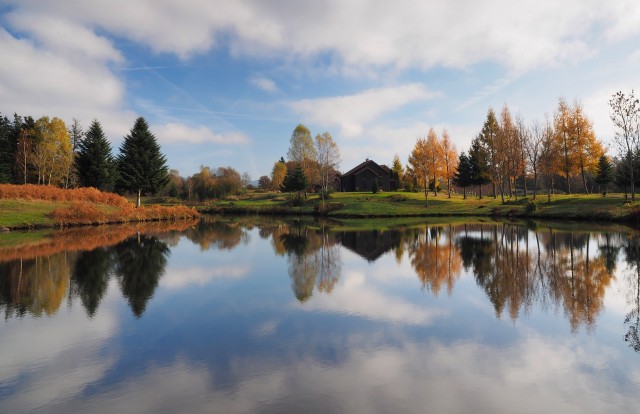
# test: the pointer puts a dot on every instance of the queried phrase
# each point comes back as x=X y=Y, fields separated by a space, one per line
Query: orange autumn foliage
x=51 y=193
x=91 y=206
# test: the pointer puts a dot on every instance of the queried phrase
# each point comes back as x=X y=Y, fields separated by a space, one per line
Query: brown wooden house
x=363 y=177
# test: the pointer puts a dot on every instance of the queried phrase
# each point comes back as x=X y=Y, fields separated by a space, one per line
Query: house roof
x=367 y=164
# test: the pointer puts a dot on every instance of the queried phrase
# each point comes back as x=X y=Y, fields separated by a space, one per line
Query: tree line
x=561 y=152
x=46 y=152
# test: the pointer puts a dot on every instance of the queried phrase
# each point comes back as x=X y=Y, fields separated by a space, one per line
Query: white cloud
x=264 y=84
x=37 y=350
x=354 y=297
x=179 y=278
x=68 y=81
x=535 y=374
x=521 y=35
x=173 y=133
x=66 y=37
x=352 y=112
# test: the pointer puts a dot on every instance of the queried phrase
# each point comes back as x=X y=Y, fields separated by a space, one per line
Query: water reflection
x=517 y=267
x=79 y=263
x=259 y=314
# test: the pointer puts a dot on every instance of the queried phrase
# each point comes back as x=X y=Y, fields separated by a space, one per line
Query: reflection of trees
x=558 y=268
x=576 y=279
x=314 y=258
x=214 y=233
x=140 y=262
x=435 y=258
x=91 y=277
x=37 y=286
x=632 y=320
x=78 y=262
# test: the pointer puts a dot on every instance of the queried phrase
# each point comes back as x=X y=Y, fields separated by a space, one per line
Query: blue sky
x=226 y=82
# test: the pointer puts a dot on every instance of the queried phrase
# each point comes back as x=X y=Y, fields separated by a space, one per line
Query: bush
x=375 y=188
x=327 y=208
x=532 y=206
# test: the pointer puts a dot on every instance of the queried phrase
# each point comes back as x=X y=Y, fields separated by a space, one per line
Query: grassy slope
x=593 y=206
x=26 y=213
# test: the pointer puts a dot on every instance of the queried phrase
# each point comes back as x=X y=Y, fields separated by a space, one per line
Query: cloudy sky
x=226 y=82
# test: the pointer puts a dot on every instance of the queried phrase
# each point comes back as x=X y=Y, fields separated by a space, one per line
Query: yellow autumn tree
x=449 y=159
x=586 y=147
x=52 y=155
x=434 y=158
x=562 y=125
x=277 y=174
x=418 y=160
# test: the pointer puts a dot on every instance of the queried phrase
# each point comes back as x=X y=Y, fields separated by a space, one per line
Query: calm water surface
x=267 y=315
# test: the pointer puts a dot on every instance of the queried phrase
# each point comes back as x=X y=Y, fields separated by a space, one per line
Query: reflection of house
x=363 y=177
x=370 y=244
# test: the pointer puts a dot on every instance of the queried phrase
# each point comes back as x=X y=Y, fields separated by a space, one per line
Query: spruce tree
x=6 y=151
x=478 y=158
x=295 y=180
x=141 y=166
x=94 y=162
x=604 y=173
x=464 y=175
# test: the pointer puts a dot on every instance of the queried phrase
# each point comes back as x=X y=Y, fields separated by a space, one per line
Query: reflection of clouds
x=354 y=296
x=179 y=278
x=535 y=375
x=51 y=358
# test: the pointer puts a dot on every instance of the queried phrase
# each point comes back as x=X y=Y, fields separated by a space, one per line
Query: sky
x=224 y=83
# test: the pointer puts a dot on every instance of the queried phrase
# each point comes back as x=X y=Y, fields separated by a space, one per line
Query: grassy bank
x=365 y=205
x=31 y=206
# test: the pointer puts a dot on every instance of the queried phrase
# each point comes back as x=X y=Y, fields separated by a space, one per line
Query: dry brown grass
x=84 y=206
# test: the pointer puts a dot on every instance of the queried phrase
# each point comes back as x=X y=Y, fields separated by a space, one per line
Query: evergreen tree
x=295 y=180
x=464 y=175
x=478 y=158
x=141 y=166
x=94 y=163
x=6 y=151
x=604 y=173
x=397 y=170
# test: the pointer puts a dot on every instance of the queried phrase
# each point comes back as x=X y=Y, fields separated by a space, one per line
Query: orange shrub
x=51 y=193
x=84 y=207
x=78 y=213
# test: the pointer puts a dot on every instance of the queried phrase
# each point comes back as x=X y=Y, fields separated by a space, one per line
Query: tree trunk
x=464 y=193
x=435 y=186
x=535 y=183
x=584 y=180
x=138 y=198
x=494 y=190
x=480 y=191
x=426 y=195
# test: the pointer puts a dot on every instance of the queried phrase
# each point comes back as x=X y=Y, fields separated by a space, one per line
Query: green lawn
x=26 y=213
x=30 y=214
x=575 y=206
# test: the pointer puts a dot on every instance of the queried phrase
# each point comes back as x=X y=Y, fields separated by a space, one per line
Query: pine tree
x=478 y=158
x=94 y=163
x=141 y=166
x=295 y=180
x=604 y=173
x=464 y=175
x=6 y=153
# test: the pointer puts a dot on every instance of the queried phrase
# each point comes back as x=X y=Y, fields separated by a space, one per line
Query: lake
x=270 y=315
